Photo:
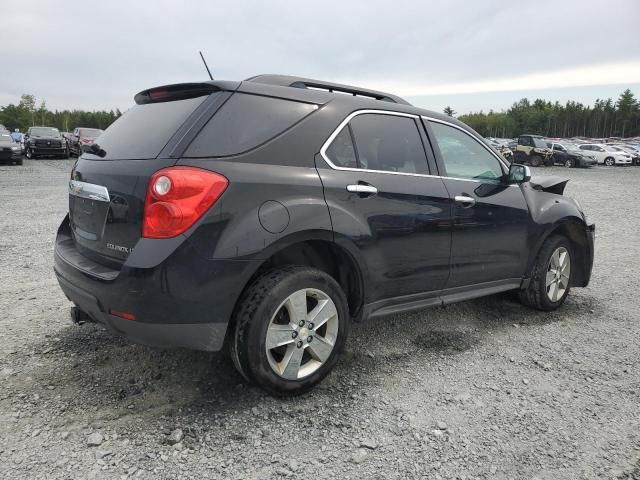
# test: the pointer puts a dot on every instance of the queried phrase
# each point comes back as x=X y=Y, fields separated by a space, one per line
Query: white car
x=607 y=154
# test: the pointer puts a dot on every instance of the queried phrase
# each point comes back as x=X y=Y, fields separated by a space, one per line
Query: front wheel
x=551 y=275
x=609 y=162
x=289 y=329
x=569 y=163
x=28 y=153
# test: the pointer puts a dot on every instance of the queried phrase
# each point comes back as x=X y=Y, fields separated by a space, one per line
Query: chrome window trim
x=89 y=191
x=334 y=134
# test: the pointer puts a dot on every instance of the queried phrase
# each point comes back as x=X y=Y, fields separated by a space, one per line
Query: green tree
x=449 y=111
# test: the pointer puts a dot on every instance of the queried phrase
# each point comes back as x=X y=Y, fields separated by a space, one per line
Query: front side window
x=463 y=156
x=388 y=143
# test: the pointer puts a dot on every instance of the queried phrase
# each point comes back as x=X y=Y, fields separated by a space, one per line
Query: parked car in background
x=633 y=151
x=606 y=154
x=570 y=155
x=10 y=150
x=501 y=148
x=45 y=142
x=81 y=137
x=532 y=149
x=253 y=217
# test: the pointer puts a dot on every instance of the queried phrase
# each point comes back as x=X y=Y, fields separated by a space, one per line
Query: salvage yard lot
x=482 y=389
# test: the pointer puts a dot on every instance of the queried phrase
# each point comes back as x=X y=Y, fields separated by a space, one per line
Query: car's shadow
x=89 y=369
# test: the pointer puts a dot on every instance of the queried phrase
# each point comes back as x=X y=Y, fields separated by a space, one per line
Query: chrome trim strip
x=327 y=143
x=89 y=191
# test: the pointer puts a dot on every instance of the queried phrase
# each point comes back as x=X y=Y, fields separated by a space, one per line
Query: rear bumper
x=196 y=336
x=182 y=301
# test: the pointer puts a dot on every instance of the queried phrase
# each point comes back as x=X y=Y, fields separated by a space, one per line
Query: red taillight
x=177 y=197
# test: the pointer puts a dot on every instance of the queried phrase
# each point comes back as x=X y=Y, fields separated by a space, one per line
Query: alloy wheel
x=302 y=334
x=558 y=274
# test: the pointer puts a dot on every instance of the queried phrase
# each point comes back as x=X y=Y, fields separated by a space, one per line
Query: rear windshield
x=144 y=130
x=245 y=122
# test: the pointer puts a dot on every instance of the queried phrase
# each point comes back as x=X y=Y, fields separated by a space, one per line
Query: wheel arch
x=575 y=230
x=316 y=249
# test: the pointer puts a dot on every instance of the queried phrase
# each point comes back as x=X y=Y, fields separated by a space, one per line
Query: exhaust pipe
x=78 y=316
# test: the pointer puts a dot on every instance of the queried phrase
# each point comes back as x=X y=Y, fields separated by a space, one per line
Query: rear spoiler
x=179 y=91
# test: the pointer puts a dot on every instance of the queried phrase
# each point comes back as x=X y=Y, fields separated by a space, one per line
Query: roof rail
x=299 y=82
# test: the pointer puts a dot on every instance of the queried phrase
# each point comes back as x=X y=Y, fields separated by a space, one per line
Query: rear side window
x=144 y=130
x=388 y=143
x=245 y=122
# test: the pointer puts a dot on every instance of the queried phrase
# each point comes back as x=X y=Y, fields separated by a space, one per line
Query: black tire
x=19 y=162
x=535 y=160
x=28 y=153
x=569 y=163
x=256 y=307
x=535 y=295
x=609 y=162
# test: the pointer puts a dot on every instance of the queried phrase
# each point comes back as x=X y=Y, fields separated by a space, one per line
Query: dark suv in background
x=266 y=215
x=45 y=142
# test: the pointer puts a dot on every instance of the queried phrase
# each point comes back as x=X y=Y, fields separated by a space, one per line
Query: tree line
x=605 y=118
x=27 y=113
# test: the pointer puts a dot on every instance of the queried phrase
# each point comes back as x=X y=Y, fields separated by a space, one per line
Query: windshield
x=44 y=132
x=538 y=142
x=5 y=138
x=570 y=146
x=91 y=133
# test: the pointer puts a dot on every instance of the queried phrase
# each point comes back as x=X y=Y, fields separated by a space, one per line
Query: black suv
x=266 y=215
x=45 y=141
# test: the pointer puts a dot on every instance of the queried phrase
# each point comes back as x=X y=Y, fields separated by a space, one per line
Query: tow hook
x=78 y=316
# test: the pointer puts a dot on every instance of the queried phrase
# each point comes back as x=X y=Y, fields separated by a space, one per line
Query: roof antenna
x=206 y=66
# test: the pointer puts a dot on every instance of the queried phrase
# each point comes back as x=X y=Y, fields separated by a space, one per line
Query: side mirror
x=519 y=173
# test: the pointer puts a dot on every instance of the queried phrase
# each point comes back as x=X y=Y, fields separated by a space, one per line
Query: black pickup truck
x=45 y=141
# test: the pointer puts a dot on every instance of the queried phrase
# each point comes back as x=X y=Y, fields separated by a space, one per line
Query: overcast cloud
x=83 y=54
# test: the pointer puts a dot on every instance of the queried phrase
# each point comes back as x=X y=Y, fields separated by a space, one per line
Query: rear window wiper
x=94 y=149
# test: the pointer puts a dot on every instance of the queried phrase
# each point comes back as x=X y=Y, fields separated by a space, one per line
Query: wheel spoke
x=553 y=291
x=322 y=313
x=562 y=259
x=278 y=335
x=290 y=364
x=555 y=259
x=550 y=277
x=320 y=348
x=297 y=306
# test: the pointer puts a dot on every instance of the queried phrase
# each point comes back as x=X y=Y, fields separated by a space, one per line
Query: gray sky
x=468 y=54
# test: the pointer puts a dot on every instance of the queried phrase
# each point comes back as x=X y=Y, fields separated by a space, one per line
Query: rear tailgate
x=108 y=184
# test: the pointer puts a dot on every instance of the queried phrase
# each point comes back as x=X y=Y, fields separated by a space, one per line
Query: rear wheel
x=536 y=160
x=290 y=327
x=609 y=162
x=551 y=275
x=569 y=163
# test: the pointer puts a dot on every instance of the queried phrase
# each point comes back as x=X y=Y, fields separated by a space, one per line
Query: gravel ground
x=482 y=389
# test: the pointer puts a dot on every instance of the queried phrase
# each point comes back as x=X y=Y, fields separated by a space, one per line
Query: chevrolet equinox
x=265 y=215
